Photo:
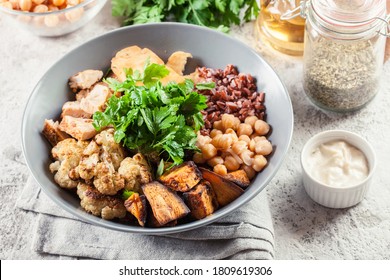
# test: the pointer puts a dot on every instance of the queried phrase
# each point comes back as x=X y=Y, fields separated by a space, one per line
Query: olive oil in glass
x=284 y=35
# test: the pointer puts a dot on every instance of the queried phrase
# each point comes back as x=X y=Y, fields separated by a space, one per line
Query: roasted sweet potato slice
x=165 y=203
x=201 y=200
x=183 y=177
x=136 y=205
x=239 y=177
x=152 y=221
x=225 y=190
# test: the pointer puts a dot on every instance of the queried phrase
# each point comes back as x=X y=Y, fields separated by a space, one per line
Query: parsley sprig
x=152 y=118
x=220 y=14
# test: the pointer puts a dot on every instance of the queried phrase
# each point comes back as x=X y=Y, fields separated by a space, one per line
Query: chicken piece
x=136 y=172
x=67 y=154
x=52 y=133
x=73 y=109
x=82 y=94
x=79 y=128
x=177 y=61
x=100 y=161
x=135 y=58
x=84 y=79
x=98 y=204
x=96 y=99
x=136 y=205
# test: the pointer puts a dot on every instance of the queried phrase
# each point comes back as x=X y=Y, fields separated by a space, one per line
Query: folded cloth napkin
x=245 y=234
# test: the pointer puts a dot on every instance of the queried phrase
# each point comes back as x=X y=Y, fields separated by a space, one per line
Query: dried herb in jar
x=341 y=76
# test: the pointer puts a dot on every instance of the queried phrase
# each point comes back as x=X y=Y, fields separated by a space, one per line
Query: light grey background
x=303 y=229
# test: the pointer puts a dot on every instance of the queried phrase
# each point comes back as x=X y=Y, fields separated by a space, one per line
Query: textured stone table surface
x=303 y=229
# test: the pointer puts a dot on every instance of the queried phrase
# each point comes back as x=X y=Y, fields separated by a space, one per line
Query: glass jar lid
x=349 y=16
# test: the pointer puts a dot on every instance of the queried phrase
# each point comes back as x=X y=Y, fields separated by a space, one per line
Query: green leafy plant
x=219 y=14
x=156 y=120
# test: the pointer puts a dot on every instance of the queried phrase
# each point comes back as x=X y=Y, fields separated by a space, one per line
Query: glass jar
x=283 y=34
x=344 y=52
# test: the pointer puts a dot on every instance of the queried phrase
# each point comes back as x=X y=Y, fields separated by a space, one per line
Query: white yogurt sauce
x=338 y=164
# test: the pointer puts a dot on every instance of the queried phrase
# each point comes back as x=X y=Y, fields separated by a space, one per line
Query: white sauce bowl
x=332 y=196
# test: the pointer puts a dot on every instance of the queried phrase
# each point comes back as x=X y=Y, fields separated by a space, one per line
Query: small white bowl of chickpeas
x=51 y=18
x=234 y=145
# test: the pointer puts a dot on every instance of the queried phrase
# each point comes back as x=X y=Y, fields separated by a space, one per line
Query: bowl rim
x=338 y=134
x=33 y=14
x=97 y=221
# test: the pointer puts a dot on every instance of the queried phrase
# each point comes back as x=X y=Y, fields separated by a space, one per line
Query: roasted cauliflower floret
x=105 y=139
x=136 y=172
x=89 y=161
x=100 y=162
x=98 y=204
x=67 y=154
x=107 y=180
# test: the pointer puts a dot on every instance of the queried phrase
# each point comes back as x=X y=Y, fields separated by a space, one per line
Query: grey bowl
x=208 y=47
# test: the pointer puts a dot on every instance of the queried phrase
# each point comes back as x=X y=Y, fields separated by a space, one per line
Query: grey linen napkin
x=245 y=234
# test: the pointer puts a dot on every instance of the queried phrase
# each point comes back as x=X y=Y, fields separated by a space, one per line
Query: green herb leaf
x=153 y=73
x=203 y=86
x=217 y=14
x=160 y=168
x=152 y=118
x=126 y=194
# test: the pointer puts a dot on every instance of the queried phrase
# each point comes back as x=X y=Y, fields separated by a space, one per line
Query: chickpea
x=237 y=122
x=252 y=145
x=259 y=138
x=208 y=151
x=244 y=129
x=51 y=20
x=7 y=5
x=215 y=132
x=218 y=125
x=251 y=120
x=25 y=5
x=15 y=4
x=222 y=141
x=247 y=157
x=231 y=163
x=40 y=9
x=202 y=140
x=261 y=127
x=198 y=158
x=236 y=157
x=215 y=161
x=239 y=146
x=228 y=121
x=244 y=138
x=220 y=169
x=53 y=8
x=254 y=135
x=232 y=133
x=259 y=162
x=58 y=3
x=38 y=2
x=250 y=172
x=263 y=147
x=72 y=2
x=74 y=15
